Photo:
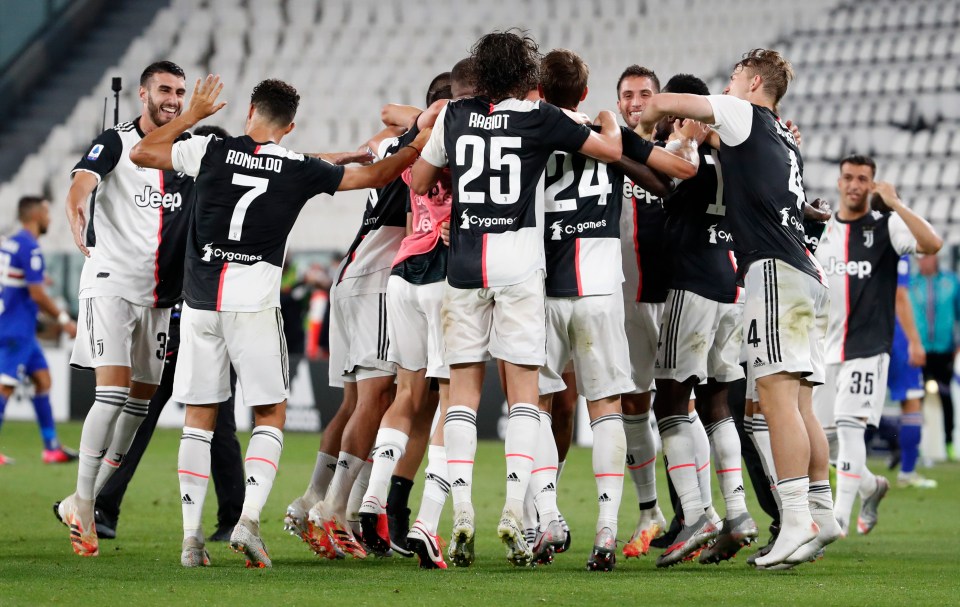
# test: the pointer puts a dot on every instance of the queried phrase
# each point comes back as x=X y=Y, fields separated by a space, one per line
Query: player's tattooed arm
x=381 y=173
x=606 y=145
x=155 y=149
x=655 y=182
x=364 y=155
x=83 y=185
x=928 y=241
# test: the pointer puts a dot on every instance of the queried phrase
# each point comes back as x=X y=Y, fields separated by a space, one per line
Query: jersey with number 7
x=497 y=154
x=249 y=195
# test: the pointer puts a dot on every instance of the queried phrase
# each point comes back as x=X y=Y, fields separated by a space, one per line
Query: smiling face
x=163 y=98
x=855 y=184
x=634 y=93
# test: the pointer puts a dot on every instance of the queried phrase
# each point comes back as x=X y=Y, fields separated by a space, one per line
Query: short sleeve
x=560 y=131
x=635 y=147
x=320 y=176
x=901 y=239
x=187 y=155
x=33 y=266
x=102 y=155
x=732 y=118
x=435 y=152
x=903 y=271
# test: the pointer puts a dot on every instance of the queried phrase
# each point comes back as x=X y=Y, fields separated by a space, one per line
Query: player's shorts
x=903 y=381
x=112 y=332
x=416 y=335
x=211 y=341
x=784 y=322
x=700 y=339
x=359 y=340
x=496 y=322
x=590 y=330
x=853 y=388
x=20 y=357
x=642 y=325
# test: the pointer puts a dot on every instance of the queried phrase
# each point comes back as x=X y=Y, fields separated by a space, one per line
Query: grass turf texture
x=910 y=558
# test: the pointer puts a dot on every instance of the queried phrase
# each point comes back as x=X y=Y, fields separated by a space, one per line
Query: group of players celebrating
x=586 y=258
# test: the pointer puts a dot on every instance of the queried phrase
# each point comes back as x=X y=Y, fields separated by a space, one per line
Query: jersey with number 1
x=497 y=154
x=249 y=195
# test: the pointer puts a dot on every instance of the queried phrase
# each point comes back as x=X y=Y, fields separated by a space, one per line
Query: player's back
x=21 y=264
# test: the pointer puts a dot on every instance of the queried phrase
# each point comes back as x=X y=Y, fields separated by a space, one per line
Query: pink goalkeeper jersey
x=429 y=211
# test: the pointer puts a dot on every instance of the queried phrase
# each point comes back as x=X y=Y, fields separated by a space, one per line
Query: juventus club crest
x=868 y=238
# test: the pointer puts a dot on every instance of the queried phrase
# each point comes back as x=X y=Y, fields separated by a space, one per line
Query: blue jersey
x=21 y=265
x=903 y=280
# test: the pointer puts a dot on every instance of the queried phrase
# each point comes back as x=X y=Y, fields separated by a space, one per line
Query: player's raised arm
x=606 y=145
x=928 y=241
x=155 y=149
x=681 y=105
x=381 y=173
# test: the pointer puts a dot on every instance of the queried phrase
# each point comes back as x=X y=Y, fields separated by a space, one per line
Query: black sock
x=399 y=495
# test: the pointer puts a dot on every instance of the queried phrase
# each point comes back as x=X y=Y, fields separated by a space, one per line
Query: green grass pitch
x=909 y=559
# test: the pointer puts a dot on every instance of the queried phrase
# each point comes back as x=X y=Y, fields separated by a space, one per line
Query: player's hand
x=818 y=210
x=203 y=102
x=691 y=129
x=78 y=227
x=71 y=329
x=362 y=156
x=887 y=194
x=916 y=354
x=792 y=126
x=445 y=232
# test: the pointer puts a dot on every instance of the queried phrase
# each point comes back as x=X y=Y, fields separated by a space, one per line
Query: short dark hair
x=686 y=83
x=275 y=100
x=563 y=76
x=210 y=129
x=775 y=71
x=860 y=160
x=637 y=71
x=463 y=76
x=439 y=88
x=506 y=64
x=27 y=204
x=161 y=67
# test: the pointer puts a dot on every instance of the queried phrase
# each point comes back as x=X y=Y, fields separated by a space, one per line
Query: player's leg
x=39 y=373
x=701 y=443
x=609 y=459
x=401 y=483
x=905 y=384
x=563 y=408
x=226 y=466
x=423 y=538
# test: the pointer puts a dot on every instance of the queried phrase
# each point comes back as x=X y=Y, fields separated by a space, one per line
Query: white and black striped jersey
x=860 y=260
x=762 y=185
x=582 y=200
x=497 y=154
x=249 y=195
x=137 y=223
x=646 y=267
x=698 y=235
x=384 y=225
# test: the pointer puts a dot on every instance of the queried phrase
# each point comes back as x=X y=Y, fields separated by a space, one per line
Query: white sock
x=832 y=444
x=359 y=489
x=727 y=460
x=338 y=493
x=797 y=526
x=701 y=443
x=389 y=447
x=794 y=494
x=851 y=463
x=124 y=431
x=761 y=440
x=520 y=444
x=560 y=466
x=642 y=458
x=609 y=459
x=530 y=515
x=543 y=476
x=95 y=437
x=193 y=469
x=323 y=472
x=436 y=487
x=678 y=448
x=260 y=468
x=460 y=442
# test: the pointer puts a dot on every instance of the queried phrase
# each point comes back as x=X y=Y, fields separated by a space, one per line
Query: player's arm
x=928 y=242
x=605 y=146
x=916 y=354
x=381 y=173
x=83 y=185
x=361 y=156
x=398 y=115
x=155 y=150
x=38 y=293
x=681 y=105
x=655 y=182
x=373 y=144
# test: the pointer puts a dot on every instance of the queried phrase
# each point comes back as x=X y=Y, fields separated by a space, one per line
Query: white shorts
x=700 y=339
x=784 y=322
x=853 y=388
x=642 y=324
x=362 y=337
x=112 y=332
x=211 y=341
x=590 y=329
x=497 y=322
x=416 y=335
x=339 y=344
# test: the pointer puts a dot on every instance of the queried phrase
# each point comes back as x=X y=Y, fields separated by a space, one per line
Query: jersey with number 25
x=249 y=195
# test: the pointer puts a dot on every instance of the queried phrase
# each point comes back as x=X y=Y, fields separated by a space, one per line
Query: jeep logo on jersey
x=631 y=190
x=210 y=253
x=719 y=234
x=860 y=269
x=154 y=199
x=468 y=220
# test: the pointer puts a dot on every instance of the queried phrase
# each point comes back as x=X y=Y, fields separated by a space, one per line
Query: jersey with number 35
x=249 y=195
x=497 y=154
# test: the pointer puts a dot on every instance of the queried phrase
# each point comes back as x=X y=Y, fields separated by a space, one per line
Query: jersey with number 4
x=497 y=154
x=249 y=195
